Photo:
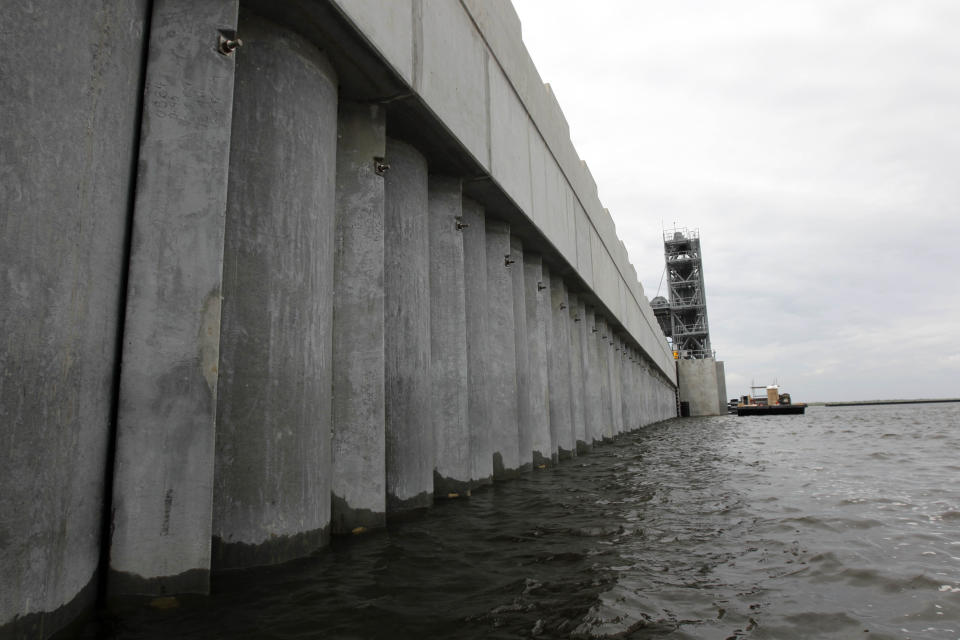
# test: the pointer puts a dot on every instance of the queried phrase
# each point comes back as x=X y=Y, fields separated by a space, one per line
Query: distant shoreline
x=871 y=402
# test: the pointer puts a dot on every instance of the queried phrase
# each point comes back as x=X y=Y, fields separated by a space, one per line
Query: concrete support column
x=410 y=447
x=581 y=327
x=641 y=383
x=478 y=338
x=525 y=398
x=603 y=350
x=615 y=388
x=648 y=397
x=272 y=481
x=630 y=390
x=448 y=340
x=594 y=417
x=537 y=317
x=504 y=413
x=553 y=384
x=561 y=404
x=641 y=390
x=637 y=389
x=68 y=152
x=163 y=479
x=577 y=375
x=657 y=397
x=358 y=492
x=626 y=382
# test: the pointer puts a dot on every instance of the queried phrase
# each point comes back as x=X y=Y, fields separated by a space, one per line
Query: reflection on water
x=844 y=523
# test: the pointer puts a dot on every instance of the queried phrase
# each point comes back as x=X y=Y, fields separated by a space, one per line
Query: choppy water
x=844 y=523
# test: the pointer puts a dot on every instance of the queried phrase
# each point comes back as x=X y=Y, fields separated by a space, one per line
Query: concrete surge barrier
x=254 y=296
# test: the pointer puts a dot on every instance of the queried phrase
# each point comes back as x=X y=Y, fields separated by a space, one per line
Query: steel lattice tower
x=688 y=300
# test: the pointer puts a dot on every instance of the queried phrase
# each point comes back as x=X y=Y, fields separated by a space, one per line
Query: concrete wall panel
x=583 y=230
x=605 y=278
x=559 y=215
x=539 y=212
x=389 y=28
x=509 y=148
x=452 y=75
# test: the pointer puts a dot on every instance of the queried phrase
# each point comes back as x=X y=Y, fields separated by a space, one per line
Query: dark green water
x=843 y=523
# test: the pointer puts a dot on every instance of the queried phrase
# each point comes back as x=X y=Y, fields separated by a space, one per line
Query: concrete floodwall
x=238 y=317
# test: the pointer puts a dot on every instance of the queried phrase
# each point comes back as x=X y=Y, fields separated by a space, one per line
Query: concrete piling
x=410 y=447
x=525 y=398
x=606 y=401
x=358 y=492
x=594 y=409
x=626 y=386
x=577 y=374
x=504 y=413
x=68 y=153
x=537 y=318
x=272 y=480
x=163 y=478
x=615 y=388
x=478 y=337
x=616 y=382
x=561 y=409
x=553 y=384
x=448 y=340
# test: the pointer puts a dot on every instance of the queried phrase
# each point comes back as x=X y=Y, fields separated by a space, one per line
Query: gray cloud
x=816 y=145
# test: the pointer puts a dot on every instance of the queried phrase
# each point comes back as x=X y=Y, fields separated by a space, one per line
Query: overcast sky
x=816 y=145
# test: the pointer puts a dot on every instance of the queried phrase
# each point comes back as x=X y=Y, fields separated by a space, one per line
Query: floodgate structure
x=272 y=271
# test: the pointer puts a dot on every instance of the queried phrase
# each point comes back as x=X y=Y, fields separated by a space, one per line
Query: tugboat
x=772 y=403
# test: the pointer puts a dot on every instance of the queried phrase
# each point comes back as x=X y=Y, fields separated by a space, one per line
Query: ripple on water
x=837 y=524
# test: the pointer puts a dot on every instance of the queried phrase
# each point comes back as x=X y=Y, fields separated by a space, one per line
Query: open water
x=843 y=523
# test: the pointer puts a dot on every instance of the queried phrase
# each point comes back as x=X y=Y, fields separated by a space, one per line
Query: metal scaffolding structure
x=689 y=328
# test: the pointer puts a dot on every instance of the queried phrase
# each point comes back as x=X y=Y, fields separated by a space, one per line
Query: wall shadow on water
x=530 y=556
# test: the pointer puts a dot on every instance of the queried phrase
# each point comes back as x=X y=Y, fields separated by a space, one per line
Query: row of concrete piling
x=454 y=357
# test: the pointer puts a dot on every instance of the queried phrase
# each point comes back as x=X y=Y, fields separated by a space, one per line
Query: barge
x=773 y=403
